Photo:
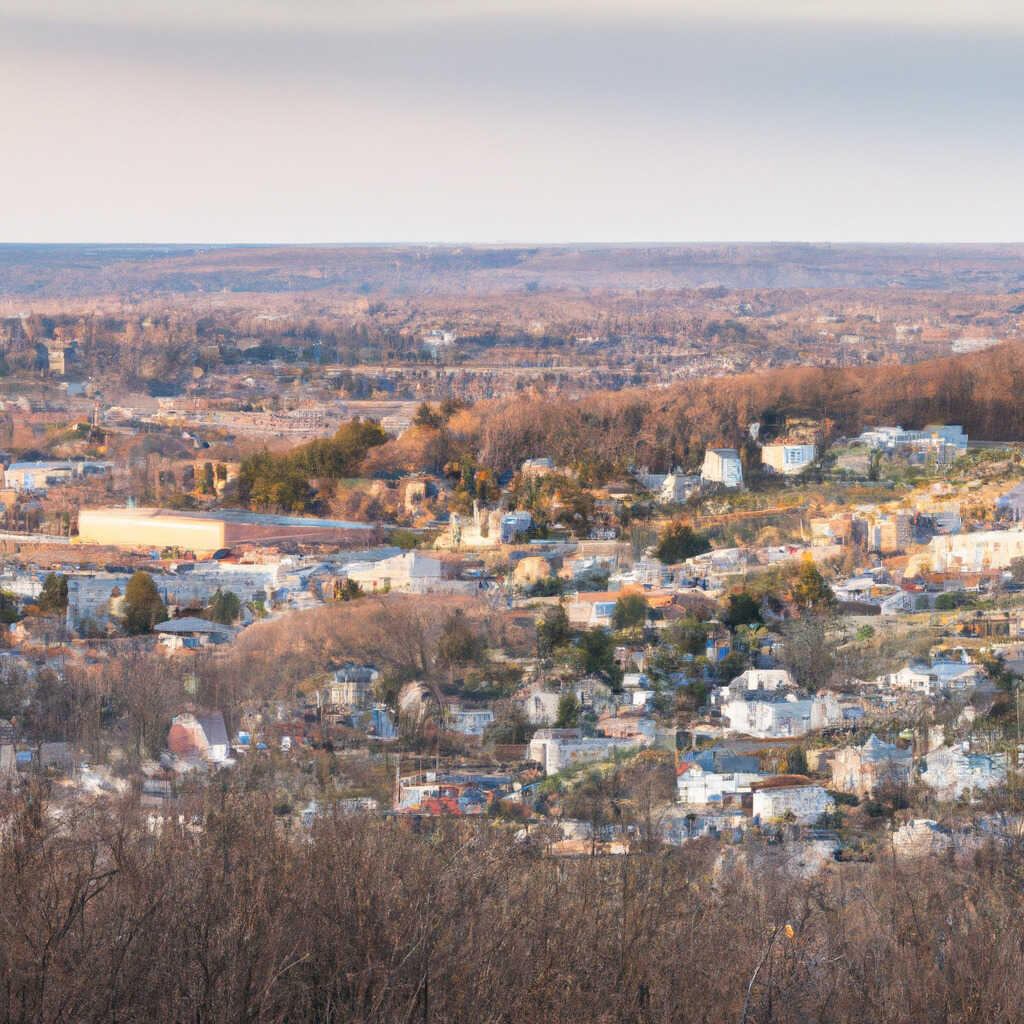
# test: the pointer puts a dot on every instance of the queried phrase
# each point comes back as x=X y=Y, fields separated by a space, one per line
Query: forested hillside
x=982 y=391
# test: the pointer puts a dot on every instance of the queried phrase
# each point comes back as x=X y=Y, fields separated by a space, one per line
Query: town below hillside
x=384 y=628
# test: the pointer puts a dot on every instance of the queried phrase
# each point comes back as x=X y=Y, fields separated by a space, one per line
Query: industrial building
x=203 y=532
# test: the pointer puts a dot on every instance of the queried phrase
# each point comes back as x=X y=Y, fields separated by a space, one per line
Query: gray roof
x=234 y=515
x=213 y=726
x=724 y=761
x=355 y=674
x=1013 y=496
x=20 y=466
x=191 y=624
x=877 y=750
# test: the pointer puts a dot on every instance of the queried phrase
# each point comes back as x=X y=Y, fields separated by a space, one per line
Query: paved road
x=34 y=538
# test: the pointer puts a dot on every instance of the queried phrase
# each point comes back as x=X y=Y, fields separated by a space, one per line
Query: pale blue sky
x=207 y=121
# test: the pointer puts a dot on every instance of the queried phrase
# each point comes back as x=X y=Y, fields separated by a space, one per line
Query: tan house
x=862 y=770
x=787 y=458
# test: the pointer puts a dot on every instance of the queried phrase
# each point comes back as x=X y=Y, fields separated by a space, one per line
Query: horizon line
x=508 y=243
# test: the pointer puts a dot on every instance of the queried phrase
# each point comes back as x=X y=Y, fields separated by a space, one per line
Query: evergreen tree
x=54 y=598
x=811 y=591
x=679 y=542
x=595 y=655
x=742 y=611
x=630 y=611
x=568 y=711
x=225 y=607
x=143 y=606
x=552 y=630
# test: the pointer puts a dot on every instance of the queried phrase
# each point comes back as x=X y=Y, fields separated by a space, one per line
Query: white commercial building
x=37 y=476
x=89 y=593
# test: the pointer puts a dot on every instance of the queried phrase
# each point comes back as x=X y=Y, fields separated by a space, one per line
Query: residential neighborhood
x=365 y=610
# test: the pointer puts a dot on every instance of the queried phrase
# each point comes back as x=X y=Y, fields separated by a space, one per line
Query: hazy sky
x=495 y=120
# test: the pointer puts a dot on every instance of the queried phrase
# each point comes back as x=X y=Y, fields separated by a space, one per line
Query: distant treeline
x=224 y=914
x=76 y=270
x=158 y=352
x=672 y=426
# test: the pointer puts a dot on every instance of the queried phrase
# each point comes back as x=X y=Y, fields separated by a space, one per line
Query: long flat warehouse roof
x=233 y=515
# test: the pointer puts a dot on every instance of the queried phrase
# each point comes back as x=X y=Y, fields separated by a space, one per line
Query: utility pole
x=1016 y=700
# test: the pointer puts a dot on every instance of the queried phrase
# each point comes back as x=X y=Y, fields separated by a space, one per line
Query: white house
x=514 y=524
x=555 y=749
x=861 y=769
x=647 y=572
x=781 y=717
x=898 y=601
x=768 y=718
x=695 y=785
x=541 y=707
x=191 y=633
x=751 y=683
x=953 y=772
x=532 y=468
x=769 y=679
x=413 y=572
x=920 y=837
x=722 y=466
x=805 y=803
x=469 y=723
x=199 y=736
x=676 y=488
x=351 y=686
x=635 y=681
x=910 y=677
x=984 y=549
x=939 y=676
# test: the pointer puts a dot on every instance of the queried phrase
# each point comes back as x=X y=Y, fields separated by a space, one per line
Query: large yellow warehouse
x=203 y=532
